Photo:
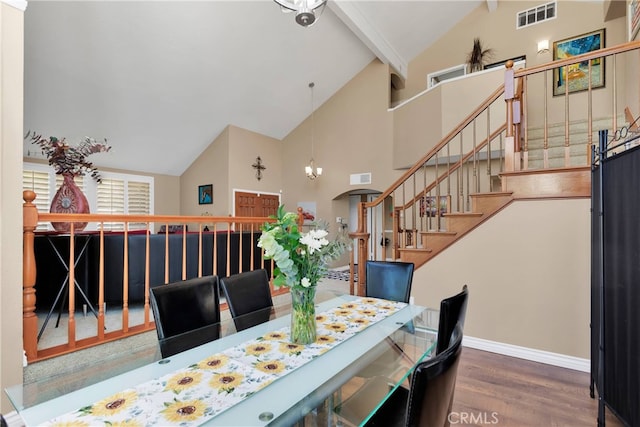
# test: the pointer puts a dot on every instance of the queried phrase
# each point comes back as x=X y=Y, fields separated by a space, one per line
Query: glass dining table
x=265 y=381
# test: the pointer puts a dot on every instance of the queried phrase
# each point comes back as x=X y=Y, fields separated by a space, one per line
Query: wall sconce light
x=543 y=46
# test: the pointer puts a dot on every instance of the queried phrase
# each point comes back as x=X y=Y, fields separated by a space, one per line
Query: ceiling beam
x=353 y=18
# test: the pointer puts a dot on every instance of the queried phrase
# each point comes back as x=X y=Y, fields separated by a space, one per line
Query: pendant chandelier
x=305 y=10
x=312 y=171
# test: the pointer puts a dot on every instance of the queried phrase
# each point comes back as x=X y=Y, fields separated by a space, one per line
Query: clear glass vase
x=303 y=315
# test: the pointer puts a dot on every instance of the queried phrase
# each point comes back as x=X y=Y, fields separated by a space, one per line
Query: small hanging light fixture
x=305 y=10
x=312 y=171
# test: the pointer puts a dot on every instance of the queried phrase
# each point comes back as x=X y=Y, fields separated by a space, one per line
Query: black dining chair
x=389 y=280
x=248 y=296
x=187 y=306
x=453 y=311
x=427 y=402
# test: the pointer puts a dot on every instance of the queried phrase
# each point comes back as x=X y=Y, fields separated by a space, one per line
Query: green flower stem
x=303 y=315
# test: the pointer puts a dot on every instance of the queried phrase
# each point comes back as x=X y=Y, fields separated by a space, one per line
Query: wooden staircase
x=524 y=160
x=456 y=225
x=567 y=182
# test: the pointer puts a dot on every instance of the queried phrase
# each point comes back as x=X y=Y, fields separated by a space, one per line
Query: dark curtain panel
x=595 y=274
x=621 y=246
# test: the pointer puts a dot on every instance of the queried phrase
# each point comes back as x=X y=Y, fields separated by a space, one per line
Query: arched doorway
x=380 y=221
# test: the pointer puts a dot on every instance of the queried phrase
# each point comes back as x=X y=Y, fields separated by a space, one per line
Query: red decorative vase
x=69 y=199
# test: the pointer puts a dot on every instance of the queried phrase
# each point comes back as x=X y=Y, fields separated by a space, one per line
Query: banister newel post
x=509 y=93
x=29 y=318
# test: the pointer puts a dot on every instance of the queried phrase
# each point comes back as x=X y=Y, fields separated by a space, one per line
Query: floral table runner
x=197 y=393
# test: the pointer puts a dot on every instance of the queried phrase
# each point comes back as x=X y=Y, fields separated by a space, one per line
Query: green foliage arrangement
x=301 y=258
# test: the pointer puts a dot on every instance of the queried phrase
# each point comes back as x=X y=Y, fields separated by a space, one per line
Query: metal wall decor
x=259 y=167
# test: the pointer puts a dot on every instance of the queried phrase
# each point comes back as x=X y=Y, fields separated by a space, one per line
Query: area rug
x=341 y=275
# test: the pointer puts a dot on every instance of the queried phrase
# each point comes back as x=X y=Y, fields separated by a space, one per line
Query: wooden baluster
x=200 y=250
x=363 y=246
x=147 y=274
x=228 y=271
x=29 y=318
x=351 y=262
x=166 y=253
x=300 y=217
x=240 y=226
x=101 y=313
x=125 y=281
x=184 y=252
x=214 y=261
x=72 y=287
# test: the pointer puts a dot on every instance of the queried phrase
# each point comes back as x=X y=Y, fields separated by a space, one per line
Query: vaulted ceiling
x=161 y=79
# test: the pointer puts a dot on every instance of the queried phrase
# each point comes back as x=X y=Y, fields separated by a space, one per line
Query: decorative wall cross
x=259 y=167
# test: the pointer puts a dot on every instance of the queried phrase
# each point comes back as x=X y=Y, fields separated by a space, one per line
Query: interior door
x=256 y=204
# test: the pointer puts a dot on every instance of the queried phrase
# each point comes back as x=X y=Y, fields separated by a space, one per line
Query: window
x=535 y=15
x=124 y=194
x=37 y=178
x=116 y=194
x=439 y=76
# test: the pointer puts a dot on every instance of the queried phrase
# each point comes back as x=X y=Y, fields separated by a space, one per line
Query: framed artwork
x=205 y=194
x=633 y=16
x=429 y=207
x=576 y=76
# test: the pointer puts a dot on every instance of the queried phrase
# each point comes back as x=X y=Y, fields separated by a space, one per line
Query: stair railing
x=561 y=129
x=465 y=161
x=442 y=182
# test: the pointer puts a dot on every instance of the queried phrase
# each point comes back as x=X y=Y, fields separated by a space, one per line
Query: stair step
x=487 y=202
x=418 y=256
x=459 y=222
x=437 y=240
x=562 y=182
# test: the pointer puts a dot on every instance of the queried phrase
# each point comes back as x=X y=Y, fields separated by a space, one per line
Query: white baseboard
x=547 y=357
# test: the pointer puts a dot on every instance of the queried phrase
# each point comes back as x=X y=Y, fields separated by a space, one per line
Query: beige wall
x=353 y=134
x=539 y=296
x=420 y=123
x=212 y=167
x=244 y=147
x=497 y=31
x=227 y=164
x=11 y=122
x=166 y=195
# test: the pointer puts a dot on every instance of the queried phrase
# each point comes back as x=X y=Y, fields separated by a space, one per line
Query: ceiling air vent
x=536 y=15
x=360 y=178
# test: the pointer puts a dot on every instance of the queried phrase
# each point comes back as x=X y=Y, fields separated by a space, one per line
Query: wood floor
x=493 y=389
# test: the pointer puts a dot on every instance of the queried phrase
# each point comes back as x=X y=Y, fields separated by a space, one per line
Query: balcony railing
x=228 y=247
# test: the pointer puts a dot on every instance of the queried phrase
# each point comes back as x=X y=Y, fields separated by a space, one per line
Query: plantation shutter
x=38 y=182
x=111 y=200
x=138 y=201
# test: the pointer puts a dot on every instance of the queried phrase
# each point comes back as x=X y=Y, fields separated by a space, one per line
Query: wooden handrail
x=60 y=217
x=443 y=142
x=600 y=53
x=440 y=178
